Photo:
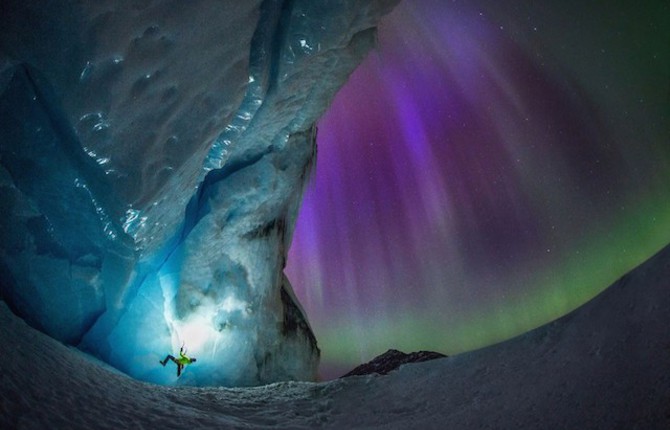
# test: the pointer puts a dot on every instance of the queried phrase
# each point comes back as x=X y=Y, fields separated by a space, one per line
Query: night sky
x=491 y=166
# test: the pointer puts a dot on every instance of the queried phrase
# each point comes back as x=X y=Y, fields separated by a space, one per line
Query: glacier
x=603 y=366
x=153 y=157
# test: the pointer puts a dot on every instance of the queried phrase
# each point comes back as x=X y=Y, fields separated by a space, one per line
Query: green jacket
x=183 y=360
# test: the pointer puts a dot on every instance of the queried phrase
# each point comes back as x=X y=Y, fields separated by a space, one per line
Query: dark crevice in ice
x=279 y=39
x=295 y=323
x=266 y=45
x=199 y=207
x=276 y=226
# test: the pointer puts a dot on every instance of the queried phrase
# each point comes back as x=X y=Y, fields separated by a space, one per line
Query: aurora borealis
x=491 y=166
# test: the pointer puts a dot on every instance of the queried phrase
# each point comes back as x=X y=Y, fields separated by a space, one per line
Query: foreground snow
x=606 y=365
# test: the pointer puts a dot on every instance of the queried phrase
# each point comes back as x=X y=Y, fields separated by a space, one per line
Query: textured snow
x=604 y=366
x=152 y=160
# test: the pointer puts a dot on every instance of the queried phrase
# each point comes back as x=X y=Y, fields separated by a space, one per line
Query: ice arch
x=152 y=161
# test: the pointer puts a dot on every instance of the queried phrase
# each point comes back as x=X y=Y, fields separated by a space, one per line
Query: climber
x=182 y=361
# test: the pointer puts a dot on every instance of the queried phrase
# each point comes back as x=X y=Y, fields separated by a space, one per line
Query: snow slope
x=605 y=365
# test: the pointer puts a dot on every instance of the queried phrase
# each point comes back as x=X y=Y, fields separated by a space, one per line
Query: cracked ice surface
x=152 y=161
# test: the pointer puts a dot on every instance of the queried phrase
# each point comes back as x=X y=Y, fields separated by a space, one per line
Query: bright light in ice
x=199 y=336
x=200 y=333
x=231 y=303
x=195 y=334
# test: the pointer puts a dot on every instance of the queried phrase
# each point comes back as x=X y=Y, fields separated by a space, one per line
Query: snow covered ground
x=605 y=365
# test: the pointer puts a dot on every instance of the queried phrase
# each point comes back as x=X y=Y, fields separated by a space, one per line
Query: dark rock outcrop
x=391 y=360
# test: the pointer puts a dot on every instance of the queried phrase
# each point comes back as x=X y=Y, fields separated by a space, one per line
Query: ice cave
x=491 y=183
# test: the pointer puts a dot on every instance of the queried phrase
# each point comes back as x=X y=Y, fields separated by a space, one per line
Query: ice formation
x=152 y=161
x=604 y=366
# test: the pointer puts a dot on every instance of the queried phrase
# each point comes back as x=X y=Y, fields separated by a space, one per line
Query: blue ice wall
x=61 y=254
x=147 y=205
